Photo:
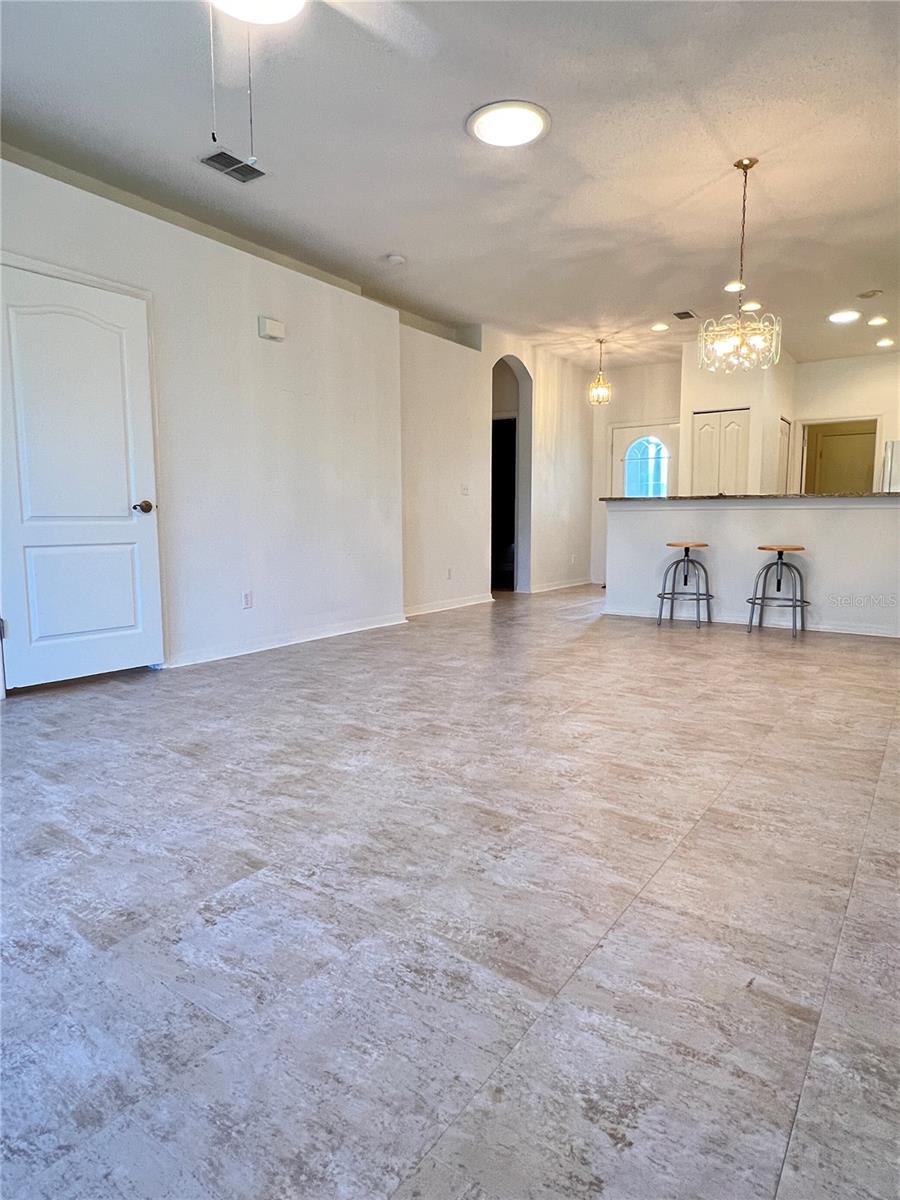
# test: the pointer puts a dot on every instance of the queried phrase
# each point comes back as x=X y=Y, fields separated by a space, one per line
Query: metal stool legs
x=761 y=598
x=691 y=571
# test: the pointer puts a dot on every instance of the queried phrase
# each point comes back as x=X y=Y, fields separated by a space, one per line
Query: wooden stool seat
x=783 y=549
x=688 y=545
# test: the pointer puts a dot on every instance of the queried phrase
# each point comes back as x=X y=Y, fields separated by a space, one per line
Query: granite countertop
x=761 y=496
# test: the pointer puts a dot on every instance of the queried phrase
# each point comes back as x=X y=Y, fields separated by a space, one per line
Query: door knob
x=145 y=506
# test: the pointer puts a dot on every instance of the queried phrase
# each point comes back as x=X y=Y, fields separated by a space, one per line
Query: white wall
x=278 y=464
x=847 y=388
x=778 y=402
x=447 y=413
x=562 y=460
x=642 y=395
x=446 y=437
x=765 y=393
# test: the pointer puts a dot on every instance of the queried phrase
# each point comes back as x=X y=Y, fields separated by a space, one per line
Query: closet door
x=734 y=436
x=705 y=454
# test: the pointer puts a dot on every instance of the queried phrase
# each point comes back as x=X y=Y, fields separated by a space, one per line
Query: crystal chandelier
x=600 y=391
x=740 y=341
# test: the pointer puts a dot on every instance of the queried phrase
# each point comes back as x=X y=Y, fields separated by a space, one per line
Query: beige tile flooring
x=516 y=902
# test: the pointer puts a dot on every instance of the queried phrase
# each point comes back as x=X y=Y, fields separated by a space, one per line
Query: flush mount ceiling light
x=261 y=12
x=751 y=306
x=883 y=343
x=846 y=316
x=600 y=391
x=739 y=341
x=877 y=321
x=659 y=327
x=508 y=123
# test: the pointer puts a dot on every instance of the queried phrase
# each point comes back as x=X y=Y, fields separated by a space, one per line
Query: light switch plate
x=270 y=329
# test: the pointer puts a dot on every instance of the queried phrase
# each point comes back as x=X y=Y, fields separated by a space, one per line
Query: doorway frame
x=41 y=266
x=524 y=447
x=797 y=447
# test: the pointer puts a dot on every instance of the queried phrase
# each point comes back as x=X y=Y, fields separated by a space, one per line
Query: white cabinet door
x=733 y=445
x=80 y=566
x=719 y=448
x=705 y=454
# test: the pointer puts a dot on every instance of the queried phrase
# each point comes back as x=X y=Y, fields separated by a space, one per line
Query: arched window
x=646 y=468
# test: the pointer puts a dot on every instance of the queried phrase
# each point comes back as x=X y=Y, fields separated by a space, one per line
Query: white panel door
x=80 y=565
x=734 y=437
x=625 y=439
x=705 y=454
x=784 y=440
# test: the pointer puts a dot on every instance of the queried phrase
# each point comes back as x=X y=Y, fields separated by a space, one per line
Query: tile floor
x=515 y=902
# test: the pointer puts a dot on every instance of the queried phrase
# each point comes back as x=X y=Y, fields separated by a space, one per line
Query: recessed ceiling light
x=659 y=327
x=261 y=12
x=751 y=306
x=846 y=316
x=870 y=294
x=734 y=286
x=508 y=123
x=395 y=260
x=883 y=343
x=877 y=321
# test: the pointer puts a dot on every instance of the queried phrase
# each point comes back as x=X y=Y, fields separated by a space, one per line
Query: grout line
x=837 y=947
x=574 y=971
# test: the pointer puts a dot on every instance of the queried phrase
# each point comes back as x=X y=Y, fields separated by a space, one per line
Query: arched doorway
x=511 y=432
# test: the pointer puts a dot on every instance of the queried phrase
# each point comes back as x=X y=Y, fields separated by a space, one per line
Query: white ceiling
x=627 y=211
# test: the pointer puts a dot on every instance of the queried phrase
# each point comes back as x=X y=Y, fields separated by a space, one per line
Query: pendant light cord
x=250 y=95
x=212 y=72
x=746 y=171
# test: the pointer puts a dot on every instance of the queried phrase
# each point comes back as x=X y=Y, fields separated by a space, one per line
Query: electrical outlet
x=246 y=599
x=464 y=489
x=573 y=560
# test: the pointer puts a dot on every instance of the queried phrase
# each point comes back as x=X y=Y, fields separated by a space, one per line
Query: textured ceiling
x=627 y=211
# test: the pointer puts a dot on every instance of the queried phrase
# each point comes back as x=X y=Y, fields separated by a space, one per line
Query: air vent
x=687 y=315
x=236 y=168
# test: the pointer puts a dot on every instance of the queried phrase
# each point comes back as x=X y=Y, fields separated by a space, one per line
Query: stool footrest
x=777 y=602
x=685 y=595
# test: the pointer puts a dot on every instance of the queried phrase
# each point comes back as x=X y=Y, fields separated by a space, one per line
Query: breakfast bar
x=850 y=558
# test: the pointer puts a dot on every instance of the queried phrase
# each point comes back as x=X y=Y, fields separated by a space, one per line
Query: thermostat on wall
x=271 y=329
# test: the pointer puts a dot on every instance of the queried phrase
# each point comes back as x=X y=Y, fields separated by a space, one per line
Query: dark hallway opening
x=503 y=505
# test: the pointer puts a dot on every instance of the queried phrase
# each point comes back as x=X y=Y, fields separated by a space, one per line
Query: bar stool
x=690 y=568
x=761 y=600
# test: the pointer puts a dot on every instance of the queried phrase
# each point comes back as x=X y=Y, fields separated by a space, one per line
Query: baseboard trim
x=733 y=619
x=558 y=587
x=315 y=635
x=421 y=610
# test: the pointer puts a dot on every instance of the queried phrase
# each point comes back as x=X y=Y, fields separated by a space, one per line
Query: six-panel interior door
x=80 y=566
